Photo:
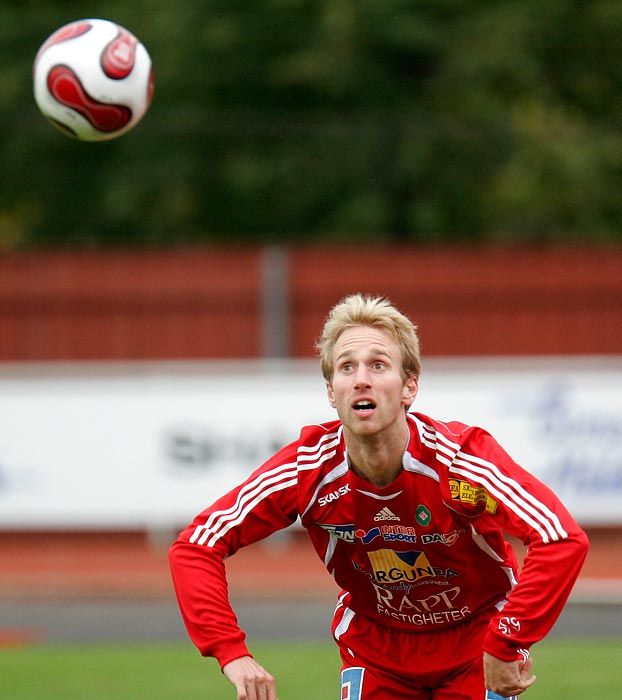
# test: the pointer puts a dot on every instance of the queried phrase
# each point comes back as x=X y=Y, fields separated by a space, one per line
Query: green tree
x=321 y=120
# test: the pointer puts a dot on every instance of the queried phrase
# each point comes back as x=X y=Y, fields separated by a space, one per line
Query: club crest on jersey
x=423 y=515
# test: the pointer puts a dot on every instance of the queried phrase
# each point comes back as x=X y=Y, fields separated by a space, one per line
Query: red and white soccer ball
x=93 y=79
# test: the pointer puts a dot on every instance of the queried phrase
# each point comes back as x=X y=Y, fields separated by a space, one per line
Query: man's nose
x=362 y=376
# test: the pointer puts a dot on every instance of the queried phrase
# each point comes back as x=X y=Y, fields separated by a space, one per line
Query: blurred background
x=160 y=294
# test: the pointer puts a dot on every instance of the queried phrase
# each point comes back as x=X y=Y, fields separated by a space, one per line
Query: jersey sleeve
x=514 y=501
x=264 y=503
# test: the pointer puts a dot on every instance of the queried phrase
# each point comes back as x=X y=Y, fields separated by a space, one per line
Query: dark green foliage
x=329 y=120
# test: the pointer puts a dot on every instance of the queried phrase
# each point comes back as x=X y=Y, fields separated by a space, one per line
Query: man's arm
x=544 y=583
x=264 y=503
x=524 y=507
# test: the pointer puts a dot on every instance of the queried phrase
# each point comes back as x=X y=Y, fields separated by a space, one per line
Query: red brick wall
x=475 y=302
x=129 y=305
x=207 y=303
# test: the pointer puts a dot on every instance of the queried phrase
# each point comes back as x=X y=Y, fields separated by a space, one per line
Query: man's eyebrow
x=343 y=356
x=377 y=350
x=374 y=351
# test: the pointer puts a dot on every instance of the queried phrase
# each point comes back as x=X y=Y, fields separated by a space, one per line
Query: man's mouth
x=364 y=405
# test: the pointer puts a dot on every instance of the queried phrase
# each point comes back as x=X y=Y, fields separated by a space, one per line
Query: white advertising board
x=149 y=445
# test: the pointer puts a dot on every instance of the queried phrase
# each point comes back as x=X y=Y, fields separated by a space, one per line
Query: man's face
x=368 y=389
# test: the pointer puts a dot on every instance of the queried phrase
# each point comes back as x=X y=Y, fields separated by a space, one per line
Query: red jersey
x=424 y=553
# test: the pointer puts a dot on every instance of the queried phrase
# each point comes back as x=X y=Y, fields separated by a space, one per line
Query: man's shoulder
x=319 y=449
x=314 y=433
x=451 y=429
x=313 y=444
x=451 y=434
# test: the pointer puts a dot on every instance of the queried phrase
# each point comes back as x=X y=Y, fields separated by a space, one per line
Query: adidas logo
x=385 y=514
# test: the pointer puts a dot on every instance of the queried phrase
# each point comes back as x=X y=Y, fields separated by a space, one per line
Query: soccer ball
x=93 y=79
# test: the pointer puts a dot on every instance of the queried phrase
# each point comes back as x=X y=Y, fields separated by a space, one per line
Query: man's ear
x=331 y=395
x=409 y=391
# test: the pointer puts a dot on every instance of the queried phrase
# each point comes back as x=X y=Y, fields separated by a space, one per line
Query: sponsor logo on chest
x=389 y=533
x=334 y=495
x=385 y=514
x=389 y=566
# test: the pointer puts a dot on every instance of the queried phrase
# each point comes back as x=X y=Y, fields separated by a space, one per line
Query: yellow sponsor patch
x=467 y=493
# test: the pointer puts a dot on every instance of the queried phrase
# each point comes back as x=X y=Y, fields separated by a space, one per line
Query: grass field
x=566 y=670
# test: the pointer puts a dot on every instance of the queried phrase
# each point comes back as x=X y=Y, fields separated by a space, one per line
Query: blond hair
x=377 y=312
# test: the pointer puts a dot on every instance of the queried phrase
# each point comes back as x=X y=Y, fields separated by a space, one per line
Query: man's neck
x=377 y=459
